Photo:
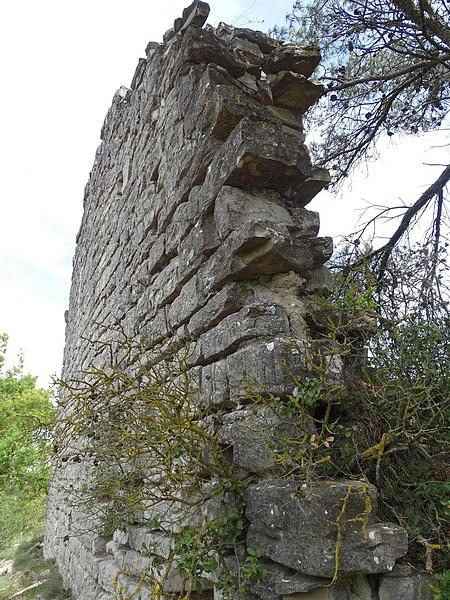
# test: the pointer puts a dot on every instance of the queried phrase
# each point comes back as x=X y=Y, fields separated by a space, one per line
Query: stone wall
x=195 y=234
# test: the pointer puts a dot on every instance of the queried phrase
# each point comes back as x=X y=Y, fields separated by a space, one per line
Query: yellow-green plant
x=374 y=407
x=390 y=425
x=163 y=463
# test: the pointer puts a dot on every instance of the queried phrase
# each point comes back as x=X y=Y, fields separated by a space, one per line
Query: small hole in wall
x=320 y=411
x=200 y=177
x=227 y=453
x=374 y=583
x=155 y=173
x=119 y=184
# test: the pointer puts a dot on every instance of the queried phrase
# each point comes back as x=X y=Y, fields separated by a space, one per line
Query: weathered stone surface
x=201 y=46
x=405 y=582
x=298 y=524
x=301 y=60
x=195 y=239
x=173 y=515
x=252 y=321
x=318 y=180
x=139 y=74
x=195 y=15
x=256 y=249
x=98 y=545
x=320 y=281
x=265 y=367
x=234 y=207
x=306 y=220
x=258 y=436
x=291 y=118
x=136 y=562
x=248 y=51
x=267 y=251
x=256 y=155
x=229 y=300
x=228 y=33
x=280 y=582
x=291 y=90
x=128 y=559
x=120 y=537
x=322 y=250
x=355 y=588
x=155 y=542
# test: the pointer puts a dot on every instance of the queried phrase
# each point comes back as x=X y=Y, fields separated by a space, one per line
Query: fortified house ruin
x=195 y=243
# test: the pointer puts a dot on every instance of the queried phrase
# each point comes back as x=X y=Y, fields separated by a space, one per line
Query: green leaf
x=153 y=523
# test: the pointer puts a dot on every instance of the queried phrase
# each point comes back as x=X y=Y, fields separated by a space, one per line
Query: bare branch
x=387 y=77
x=435 y=189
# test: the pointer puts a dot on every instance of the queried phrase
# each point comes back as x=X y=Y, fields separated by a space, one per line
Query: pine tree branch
x=435 y=25
x=386 y=77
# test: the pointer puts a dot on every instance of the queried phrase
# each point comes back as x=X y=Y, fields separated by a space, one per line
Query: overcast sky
x=60 y=65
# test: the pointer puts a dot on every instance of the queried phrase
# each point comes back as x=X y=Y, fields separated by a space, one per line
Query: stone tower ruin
x=195 y=238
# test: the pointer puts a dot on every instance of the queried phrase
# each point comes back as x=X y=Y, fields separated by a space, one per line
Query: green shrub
x=26 y=421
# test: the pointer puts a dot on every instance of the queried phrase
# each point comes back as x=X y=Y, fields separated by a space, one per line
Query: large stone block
x=290 y=118
x=319 y=179
x=294 y=58
x=258 y=438
x=201 y=46
x=291 y=90
x=235 y=207
x=346 y=588
x=228 y=33
x=256 y=155
x=269 y=367
x=253 y=250
x=405 y=583
x=154 y=542
x=194 y=15
x=230 y=299
x=323 y=526
x=252 y=321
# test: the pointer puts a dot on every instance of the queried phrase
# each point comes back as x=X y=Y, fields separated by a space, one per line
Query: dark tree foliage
x=386 y=64
x=392 y=425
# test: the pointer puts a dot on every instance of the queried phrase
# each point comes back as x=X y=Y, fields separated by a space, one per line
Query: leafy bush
x=391 y=422
x=163 y=458
x=26 y=416
x=442 y=586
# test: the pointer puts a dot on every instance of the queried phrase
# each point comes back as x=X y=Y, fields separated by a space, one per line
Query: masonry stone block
x=294 y=58
x=294 y=91
x=314 y=527
x=258 y=437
